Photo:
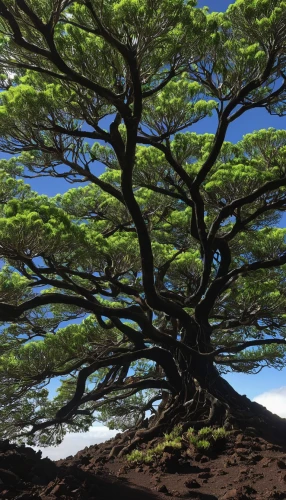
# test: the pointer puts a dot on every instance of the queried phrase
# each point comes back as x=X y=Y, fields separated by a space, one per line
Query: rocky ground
x=248 y=468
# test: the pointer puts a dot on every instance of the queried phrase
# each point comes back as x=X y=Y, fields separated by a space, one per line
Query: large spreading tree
x=137 y=289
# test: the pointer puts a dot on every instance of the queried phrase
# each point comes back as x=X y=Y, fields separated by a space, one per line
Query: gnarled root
x=217 y=406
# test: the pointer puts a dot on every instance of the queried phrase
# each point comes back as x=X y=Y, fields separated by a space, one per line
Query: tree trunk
x=205 y=399
x=215 y=404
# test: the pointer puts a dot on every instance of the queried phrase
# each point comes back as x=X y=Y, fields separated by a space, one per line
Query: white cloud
x=274 y=401
x=75 y=442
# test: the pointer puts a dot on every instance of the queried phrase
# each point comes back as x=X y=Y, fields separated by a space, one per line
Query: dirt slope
x=248 y=468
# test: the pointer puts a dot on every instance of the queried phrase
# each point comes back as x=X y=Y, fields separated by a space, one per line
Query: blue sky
x=215 y=5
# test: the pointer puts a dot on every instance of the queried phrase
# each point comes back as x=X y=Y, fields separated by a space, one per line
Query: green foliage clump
x=206 y=437
x=203 y=441
x=205 y=431
x=171 y=440
x=175 y=433
x=202 y=445
x=136 y=456
x=219 y=433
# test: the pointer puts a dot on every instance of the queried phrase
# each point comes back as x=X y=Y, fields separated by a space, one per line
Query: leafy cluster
x=203 y=441
x=206 y=438
x=170 y=441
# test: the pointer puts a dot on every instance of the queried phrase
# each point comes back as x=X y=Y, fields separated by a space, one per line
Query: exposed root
x=224 y=408
x=129 y=447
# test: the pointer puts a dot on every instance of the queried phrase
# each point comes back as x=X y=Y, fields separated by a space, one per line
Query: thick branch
x=160 y=356
x=204 y=307
x=229 y=209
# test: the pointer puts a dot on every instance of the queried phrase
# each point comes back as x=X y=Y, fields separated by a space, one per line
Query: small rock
x=250 y=431
x=204 y=459
x=239 y=440
x=169 y=462
x=256 y=447
x=239 y=493
x=122 y=470
x=4 y=493
x=192 y=483
x=277 y=495
x=230 y=495
x=248 y=489
x=221 y=472
x=241 y=450
x=244 y=471
x=258 y=476
x=231 y=462
x=265 y=462
x=162 y=488
x=205 y=475
x=254 y=459
x=60 y=490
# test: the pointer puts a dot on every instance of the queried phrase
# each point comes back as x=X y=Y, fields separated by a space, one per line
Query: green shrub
x=136 y=456
x=190 y=432
x=199 y=444
x=203 y=445
x=173 y=440
x=193 y=439
x=175 y=433
x=205 y=431
x=158 y=450
x=219 y=433
x=201 y=440
x=205 y=437
x=174 y=443
x=148 y=457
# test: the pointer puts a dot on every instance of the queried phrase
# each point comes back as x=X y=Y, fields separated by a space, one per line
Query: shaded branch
x=161 y=356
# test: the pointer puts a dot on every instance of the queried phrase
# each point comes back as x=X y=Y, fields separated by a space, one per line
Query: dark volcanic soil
x=248 y=468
